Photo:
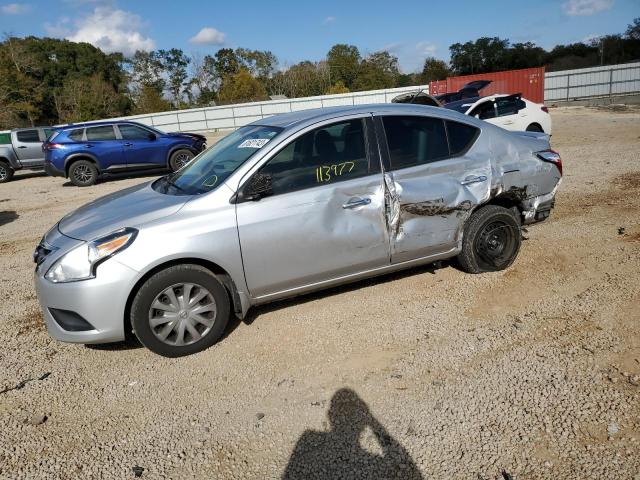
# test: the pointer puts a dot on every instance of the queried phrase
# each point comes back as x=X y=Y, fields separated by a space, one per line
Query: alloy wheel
x=182 y=314
x=4 y=173
x=182 y=159
x=82 y=173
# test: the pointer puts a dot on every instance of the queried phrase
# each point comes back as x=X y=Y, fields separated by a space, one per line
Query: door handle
x=128 y=144
x=88 y=145
x=357 y=202
x=473 y=179
x=22 y=146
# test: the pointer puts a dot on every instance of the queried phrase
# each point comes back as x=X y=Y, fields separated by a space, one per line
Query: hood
x=193 y=136
x=127 y=208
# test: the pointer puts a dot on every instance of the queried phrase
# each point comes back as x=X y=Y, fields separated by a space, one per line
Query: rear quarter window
x=461 y=137
x=77 y=135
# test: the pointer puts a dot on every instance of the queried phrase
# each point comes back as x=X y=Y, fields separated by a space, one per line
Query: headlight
x=81 y=262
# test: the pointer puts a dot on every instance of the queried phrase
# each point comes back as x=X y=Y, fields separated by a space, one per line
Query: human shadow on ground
x=338 y=453
x=8 y=216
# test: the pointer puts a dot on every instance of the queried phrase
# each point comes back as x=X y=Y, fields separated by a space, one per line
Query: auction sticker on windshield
x=254 y=143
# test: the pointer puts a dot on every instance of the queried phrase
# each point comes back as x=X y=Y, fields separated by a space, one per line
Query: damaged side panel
x=428 y=205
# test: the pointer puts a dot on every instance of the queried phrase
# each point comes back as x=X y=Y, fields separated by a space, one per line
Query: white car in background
x=511 y=112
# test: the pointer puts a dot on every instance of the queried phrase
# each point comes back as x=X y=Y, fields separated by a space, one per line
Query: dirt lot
x=430 y=373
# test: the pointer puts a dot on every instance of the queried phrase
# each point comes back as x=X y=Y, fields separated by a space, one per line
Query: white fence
x=234 y=116
x=584 y=83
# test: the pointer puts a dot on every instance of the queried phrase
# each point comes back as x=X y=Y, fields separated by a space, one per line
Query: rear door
x=508 y=112
x=28 y=147
x=101 y=142
x=433 y=179
x=141 y=147
x=324 y=217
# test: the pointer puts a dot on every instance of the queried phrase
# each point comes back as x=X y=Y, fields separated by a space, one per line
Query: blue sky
x=298 y=30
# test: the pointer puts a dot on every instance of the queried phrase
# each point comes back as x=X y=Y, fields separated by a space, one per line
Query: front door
x=432 y=183
x=323 y=217
x=141 y=147
x=28 y=147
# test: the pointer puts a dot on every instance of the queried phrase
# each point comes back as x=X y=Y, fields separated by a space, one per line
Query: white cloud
x=15 y=8
x=393 y=47
x=426 y=49
x=329 y=20
x=208 y=36
x=586 y=7
x=107 y=28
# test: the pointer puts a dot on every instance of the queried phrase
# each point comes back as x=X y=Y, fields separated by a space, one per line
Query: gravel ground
x=430 y=373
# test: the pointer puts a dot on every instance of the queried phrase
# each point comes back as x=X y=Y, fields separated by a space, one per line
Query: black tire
x=534 y=127
x=491 y=240
x=180 y=158
x=83 y=173
x=142 y=311
x=6 y=172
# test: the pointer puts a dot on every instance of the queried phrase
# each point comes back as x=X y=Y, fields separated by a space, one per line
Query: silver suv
x=287 y=205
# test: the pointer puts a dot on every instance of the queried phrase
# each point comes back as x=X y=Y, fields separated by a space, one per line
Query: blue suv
x=82 y=152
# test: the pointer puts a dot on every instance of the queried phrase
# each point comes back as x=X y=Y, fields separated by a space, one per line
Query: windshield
x=213 y=166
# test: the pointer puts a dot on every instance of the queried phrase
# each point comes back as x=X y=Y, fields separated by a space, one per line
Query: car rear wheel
x=83 y=173
x=534 y=127
x=180 y=310
x=180 y=158
x=491 y=240
x=6 y=172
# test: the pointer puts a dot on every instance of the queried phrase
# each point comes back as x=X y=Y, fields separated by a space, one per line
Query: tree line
x=52 y=81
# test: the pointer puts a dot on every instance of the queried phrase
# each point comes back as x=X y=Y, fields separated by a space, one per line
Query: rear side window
x=76 y=135
x=506 y=106
x=415 y=140
x=131 y=132
x=101 y=133
x=461 y=136
x=28 y=136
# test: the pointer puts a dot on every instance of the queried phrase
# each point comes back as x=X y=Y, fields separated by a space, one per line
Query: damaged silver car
x=287 y=205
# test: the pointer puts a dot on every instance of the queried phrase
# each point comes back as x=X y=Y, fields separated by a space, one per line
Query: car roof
x=73 y=126
x=304 y=117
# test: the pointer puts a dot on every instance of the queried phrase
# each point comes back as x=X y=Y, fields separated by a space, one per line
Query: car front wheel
x=6 y=172
x=180 y=158
x=491 y=240
x=181 y=310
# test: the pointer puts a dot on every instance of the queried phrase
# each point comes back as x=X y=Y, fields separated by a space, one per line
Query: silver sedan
x=288 y=205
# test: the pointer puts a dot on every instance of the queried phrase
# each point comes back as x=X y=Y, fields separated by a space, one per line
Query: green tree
x=633 y=30
x=150 y=100
x=433 y=70
x=344 y=63
x=227 y=62
x=86 y=98
x=174 y=63
x=486 y=54
x=261 y=64
x=337 y=87
x=241 y=87
x=378 y=70
x=204 y=82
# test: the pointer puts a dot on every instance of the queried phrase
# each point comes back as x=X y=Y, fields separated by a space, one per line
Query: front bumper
x=101 y=301
x=52 y=170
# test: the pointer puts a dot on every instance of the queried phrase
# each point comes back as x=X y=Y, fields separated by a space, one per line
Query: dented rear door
x=435 y=174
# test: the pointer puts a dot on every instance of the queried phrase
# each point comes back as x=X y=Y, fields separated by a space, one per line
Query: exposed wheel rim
x=4 y=173
x=182 y=159
x=182 y=314
x=496 y=244
x=82 y=173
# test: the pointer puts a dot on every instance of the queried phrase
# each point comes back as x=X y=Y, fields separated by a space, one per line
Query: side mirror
x=152 y=136
x=257 y=187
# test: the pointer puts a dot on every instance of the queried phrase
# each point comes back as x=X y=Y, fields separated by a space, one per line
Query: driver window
x=330 y=154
